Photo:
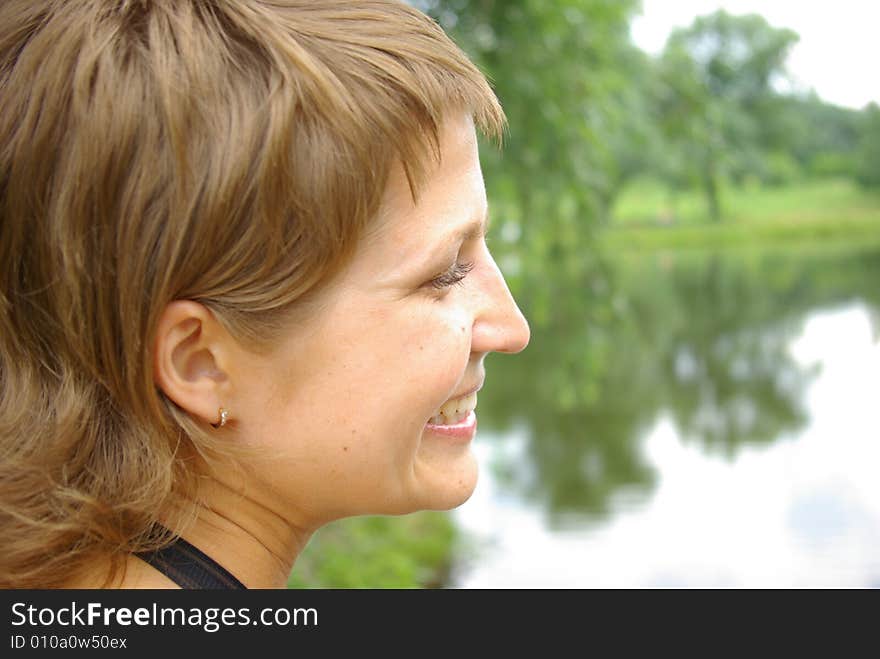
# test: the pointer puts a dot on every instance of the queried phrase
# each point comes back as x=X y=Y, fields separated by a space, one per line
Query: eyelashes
x=455 y=275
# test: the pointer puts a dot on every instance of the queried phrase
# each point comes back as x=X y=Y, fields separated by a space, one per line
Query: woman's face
x=342 y=407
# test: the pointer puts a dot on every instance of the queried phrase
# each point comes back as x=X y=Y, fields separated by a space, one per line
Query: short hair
x=227 y=152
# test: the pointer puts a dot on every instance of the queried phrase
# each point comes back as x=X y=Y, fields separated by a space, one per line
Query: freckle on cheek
x=345 y=448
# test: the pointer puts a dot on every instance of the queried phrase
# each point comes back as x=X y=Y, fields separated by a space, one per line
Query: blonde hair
x=227 y=152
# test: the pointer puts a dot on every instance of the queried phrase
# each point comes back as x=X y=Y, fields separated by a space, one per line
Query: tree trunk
x=710 y=184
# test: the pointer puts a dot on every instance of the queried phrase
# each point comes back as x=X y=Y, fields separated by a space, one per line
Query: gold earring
x=224 y=415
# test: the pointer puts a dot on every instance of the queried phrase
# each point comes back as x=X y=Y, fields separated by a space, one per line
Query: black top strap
x=190 y=568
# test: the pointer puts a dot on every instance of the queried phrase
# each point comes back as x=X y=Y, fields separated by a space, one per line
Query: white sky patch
x=837 y=55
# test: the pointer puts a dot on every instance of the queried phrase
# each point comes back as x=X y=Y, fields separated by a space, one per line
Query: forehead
x=453 y=193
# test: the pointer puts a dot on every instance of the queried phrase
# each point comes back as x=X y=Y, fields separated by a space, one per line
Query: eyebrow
x=442 y=246
x=470 y=231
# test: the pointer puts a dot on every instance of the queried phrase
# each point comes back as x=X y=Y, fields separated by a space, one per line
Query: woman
x=245 y=286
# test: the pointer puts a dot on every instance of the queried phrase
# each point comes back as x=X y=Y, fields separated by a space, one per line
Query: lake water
x=729 y=435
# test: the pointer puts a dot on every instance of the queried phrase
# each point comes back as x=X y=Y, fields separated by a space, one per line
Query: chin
x=453 y=492
x=453 y=501
x=446 y=496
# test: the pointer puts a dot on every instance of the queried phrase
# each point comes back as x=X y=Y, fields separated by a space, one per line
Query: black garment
x=190 y=568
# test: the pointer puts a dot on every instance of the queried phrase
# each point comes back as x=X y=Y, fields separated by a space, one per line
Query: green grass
x=411 y=551
x=810 y=213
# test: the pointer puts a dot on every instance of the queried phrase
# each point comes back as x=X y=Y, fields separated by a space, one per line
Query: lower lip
x=463 y=430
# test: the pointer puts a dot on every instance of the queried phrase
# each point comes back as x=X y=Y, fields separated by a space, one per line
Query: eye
x=455 y=275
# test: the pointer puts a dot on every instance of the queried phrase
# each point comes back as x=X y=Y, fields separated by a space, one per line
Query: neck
x=244 y=534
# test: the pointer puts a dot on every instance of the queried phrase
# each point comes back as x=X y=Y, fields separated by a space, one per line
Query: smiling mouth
x=455 y=411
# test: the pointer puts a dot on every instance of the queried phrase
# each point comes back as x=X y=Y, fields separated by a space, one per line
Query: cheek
x=439 y=346
x=408 y=360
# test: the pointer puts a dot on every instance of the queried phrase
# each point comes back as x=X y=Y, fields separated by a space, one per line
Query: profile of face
x=343 y=411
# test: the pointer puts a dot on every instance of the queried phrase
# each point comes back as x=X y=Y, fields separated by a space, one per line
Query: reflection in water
x=730 y=379
x=664 y=423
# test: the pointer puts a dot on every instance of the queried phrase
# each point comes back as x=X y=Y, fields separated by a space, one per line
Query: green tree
x=823 y=138
x=868 y=163
x=718 y=94
x=563 y=73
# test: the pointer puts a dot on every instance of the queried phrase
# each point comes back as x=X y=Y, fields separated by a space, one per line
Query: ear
x=190 y=351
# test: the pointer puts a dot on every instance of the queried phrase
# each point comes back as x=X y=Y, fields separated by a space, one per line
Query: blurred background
x=687 y=209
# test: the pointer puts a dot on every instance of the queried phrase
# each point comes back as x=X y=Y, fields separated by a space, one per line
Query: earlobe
x=188 y=357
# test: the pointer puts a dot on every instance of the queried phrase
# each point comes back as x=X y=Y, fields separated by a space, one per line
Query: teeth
x=459 y=405
x=455 y=411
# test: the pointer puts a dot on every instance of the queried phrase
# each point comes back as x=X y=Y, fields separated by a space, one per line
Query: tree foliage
x=561 y=71
x=868 y=162
x=718 y=103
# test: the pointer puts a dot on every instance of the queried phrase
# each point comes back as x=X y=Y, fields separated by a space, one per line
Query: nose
x=499 y=325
